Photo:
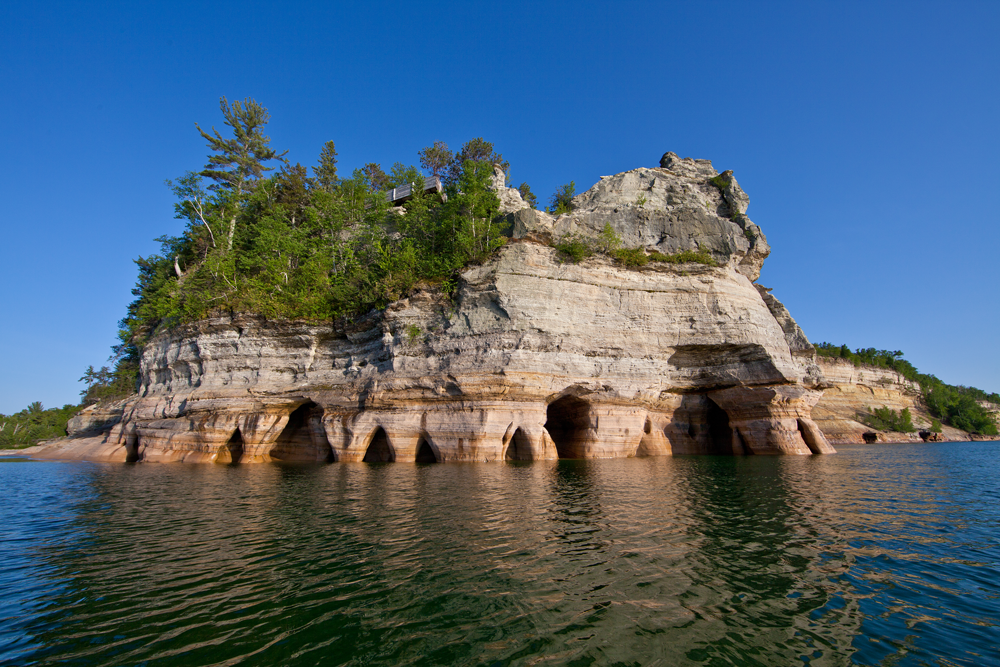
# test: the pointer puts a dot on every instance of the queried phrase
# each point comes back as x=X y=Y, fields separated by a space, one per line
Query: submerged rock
x=533 y=358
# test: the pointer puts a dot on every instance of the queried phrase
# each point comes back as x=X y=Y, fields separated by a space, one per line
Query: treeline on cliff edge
x=265 y=236
x=957 y=406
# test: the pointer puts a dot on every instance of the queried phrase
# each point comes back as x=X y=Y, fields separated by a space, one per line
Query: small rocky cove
x=533 y=357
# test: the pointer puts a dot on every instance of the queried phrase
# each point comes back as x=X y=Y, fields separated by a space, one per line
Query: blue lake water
x=879 y=555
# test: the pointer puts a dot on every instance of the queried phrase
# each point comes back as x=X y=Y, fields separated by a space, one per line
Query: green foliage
x=719 y=182
x=562 y=200
x=527 y=195
x=413 y=333
x=436 y=158
x=959 y=409
x=750 y=235
x=574 y=247
x=631 y=257
x=608 y=241
x=109 y=385
x=611 y=244
x=402 y=174
x=326 y=171
x=240 y=160
x=34 y=423
x=640 y=201
x=702 y=256
x=956 y=406
x=376 y=179
x=887 y=419
x=935 y=426
x=474 y=150
x=320 y=248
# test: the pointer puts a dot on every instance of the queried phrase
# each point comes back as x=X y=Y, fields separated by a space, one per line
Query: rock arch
x=232 y=451
x=379 y=449
x=304 y=437
x=426 y=452
x=568 y=424
x=814 y=438
x=518 y=447
x=654 y=441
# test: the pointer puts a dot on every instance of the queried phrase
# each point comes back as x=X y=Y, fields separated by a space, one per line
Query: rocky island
x=437 y=315
x=532 y=357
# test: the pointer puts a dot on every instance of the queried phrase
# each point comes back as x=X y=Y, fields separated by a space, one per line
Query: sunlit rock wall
x=532 y=358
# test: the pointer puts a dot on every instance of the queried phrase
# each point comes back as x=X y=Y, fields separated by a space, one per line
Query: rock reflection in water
x=670 y=561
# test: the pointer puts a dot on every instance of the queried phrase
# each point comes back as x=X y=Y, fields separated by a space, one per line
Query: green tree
x=527 y=195
x=562 y=200
x=435 y=159
x=194 y=205
x=402 y=174
x=293 y=191
x=376 y=179
x=239 y=162
x=478 y=206
x=474 y=150
x=608 y=241
x=326 y=171
x=34 y=423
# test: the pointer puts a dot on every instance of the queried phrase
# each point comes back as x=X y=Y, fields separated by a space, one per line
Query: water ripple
x=879 y=555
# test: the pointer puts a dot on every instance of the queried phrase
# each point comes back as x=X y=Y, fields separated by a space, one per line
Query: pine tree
x=238 y=162
x=326 y=170
x=476 y=150
x=436 y=158
x=377 y=180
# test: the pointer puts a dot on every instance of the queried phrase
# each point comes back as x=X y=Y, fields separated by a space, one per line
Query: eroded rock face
x=510 y=198
x=851 y=391
x=678 y=206
x=533 y=358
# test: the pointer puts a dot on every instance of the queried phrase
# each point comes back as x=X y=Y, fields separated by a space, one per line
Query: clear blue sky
x=866 y=135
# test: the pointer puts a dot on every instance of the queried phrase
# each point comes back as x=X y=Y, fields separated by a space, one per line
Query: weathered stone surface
x=533 y=358
x=668 y=209
x=95 y=419
x=510 y=198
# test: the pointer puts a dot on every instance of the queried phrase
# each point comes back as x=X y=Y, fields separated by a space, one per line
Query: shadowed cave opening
x=132 y=449
x=425 y=453
x=234 y=448
x=518 y=449
x=567 y=421
x=303 y=438
x=720 y=434
x=379 y=450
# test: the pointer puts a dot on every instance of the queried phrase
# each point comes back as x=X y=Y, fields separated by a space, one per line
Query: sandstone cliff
x=856 y=390
x=532 y=358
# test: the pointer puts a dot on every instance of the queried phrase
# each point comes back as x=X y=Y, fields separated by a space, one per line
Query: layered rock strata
x=853 y=391
x=533 y=357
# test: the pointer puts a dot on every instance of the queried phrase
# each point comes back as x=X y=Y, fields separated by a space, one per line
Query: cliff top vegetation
x=282 y=240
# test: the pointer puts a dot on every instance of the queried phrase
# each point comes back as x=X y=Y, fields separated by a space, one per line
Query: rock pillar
x=774 y=419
